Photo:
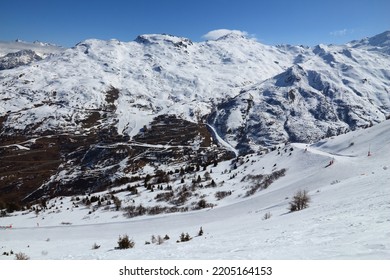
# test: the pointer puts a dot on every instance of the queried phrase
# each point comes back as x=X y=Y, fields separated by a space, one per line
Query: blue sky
x=307 y=22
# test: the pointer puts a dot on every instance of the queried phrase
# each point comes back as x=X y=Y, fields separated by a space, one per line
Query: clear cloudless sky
x=307 y=22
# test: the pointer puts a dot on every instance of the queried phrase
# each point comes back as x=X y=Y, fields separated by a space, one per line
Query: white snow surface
x=155 y=74
x=335 y=87
x=347 y=218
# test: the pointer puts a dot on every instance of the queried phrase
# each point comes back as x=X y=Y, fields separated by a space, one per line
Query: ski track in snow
x=221 y=141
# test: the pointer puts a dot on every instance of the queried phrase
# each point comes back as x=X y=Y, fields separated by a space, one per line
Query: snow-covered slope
x=347 y=217
x=330 y=90
x=155 y=74
x=160 y=74
x=379 y=43
x=101 y=113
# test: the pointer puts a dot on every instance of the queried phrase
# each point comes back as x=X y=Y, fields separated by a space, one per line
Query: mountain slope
x=97 y=115
x=346 y=218
x=379 y=43
x=334 y=90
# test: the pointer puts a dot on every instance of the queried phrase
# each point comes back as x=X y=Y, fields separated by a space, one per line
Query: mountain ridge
x=118 y=95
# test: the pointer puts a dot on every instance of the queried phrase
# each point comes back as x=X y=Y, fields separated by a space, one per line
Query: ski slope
x=347 y=218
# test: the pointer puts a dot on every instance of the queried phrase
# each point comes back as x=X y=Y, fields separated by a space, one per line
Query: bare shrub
x=117 y=203
x=182 y=196
x=201 y=204
x=267 y=216
x=262 y=182
x=300 y=201
x=134 y=211
x=160 y=240
x=165 y=196
x=21 y=256
x=222 y=194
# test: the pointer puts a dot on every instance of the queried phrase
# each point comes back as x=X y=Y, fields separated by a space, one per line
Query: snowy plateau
x=163 y=138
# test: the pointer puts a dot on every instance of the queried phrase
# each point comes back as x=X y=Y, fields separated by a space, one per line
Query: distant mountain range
x=102 y=113
x=19 y=53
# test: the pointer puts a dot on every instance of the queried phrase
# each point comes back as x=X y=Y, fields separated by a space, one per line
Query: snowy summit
x=276 y=152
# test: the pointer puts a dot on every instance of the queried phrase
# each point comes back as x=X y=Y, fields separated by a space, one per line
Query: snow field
x=347 y=217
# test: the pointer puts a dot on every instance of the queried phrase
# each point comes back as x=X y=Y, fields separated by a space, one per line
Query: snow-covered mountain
x=378 y=43
x=103 y=112
x=19 y=53
x=23 y=57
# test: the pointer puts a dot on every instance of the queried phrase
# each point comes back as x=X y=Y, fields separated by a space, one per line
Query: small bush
x=202 y=203
x=125 y=243
x=160 y=240
x=267 y=216
x=184 y=237
x=117 y=202
x=21 y=256
x=300 y=201
x=222 y=194
x=165 y=196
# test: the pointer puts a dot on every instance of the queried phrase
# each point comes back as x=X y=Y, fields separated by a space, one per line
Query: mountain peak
x=150 y=39
x=232 y=36
x=225 y=34
x=380 y=42
x=292 y=75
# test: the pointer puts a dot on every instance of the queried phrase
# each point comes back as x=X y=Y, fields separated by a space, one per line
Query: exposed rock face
x=17 y=59
x=96 y=157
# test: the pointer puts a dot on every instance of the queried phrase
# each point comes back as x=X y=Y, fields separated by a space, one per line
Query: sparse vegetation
x=117 y=203
x=262 y=182
x=184 y=237
x=267 y=216
x=222 y=194
x=165 y=196
x=160 y=240
x=134 y=211
x=125 y=243
x=21 y=256
x=300 y=201
x=202 y=203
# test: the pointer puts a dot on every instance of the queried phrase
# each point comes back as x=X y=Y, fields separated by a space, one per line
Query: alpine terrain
x=255 y=151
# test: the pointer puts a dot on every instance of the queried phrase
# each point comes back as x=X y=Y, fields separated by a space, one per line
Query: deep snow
x=348 y=217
